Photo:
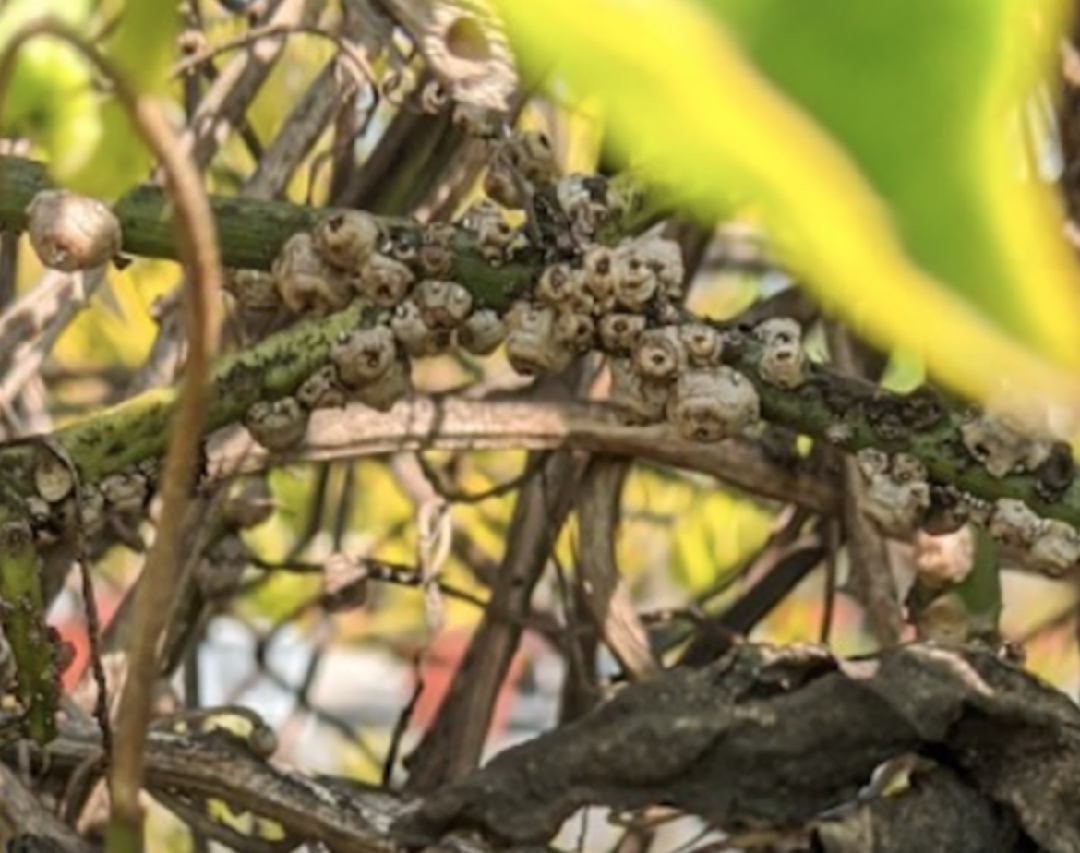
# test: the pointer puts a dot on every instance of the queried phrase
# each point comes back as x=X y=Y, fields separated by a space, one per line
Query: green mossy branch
x=23 y=620
x=849 y=413
x=251 y=232
x=854 y=414
x=136 y=430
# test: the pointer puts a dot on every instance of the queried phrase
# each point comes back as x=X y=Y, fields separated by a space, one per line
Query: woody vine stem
x=197 y=248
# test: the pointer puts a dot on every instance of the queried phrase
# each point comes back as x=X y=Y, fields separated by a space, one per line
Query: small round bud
x=658 y=354
x=482 y=332
x=409 y=328
x=494 y=234
x=599 y=266
x=663 y=258
x=702 y=344
x=529 y=151
x=443 y=304
x=71 y=232
x=635 y=283
x=322 y=390
x=711 y=404
x=394 y=385
x=531 y=346
x=262 y=741
x=306 y=283
x=577 y=196
x=435 y=260
x=279 y=425
x=619 y=332
x=502 y=187
x=255 y=290
x=249 y=503
x=897 y=494
x=346 y=238
x=1003 y=446
x=218 y=573
x=384 y=281
x=575 y=331
x=125 y=492
x=564 y=288
x=1014 y=525
x=53 y=479
x=641 y=403
x=415 y=336
x=363 y=355
x=525 y=159
x=1056 y=548
x=556 y=285
x=781 y=352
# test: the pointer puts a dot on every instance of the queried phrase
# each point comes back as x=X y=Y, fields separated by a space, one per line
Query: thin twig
x=606 y=592
x=362 y=71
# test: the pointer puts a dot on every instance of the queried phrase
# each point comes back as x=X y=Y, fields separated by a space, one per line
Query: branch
x=773 y=737
x=423 y=424
x=606 y=591
x=342 y=814
x=851 y=413
x=23 y=811
x=251 y=233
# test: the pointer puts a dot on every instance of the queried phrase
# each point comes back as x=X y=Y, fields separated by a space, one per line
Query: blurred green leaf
x=49 y=97
x=141 y=47
x=873 y=140
x=89 y=142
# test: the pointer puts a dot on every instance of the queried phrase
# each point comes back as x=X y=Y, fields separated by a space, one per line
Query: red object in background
x=72 y=629
x=438 y=667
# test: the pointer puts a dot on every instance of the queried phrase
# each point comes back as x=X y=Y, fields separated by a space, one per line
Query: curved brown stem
x=198 y=250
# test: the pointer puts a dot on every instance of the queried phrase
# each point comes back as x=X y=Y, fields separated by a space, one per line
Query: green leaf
x=49 y=96
x=90 y=143
x=143 y=45
x=109 y=168
x=141 y=48
x=873 y=140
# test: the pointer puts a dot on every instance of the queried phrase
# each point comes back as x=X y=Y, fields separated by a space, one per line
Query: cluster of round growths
x=424 y=312
x=621 y=300
x=624 y=301
x=53 y=510
x=898 y=498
